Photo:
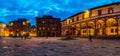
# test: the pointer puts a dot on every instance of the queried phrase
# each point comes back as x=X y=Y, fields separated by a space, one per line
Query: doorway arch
x=111 y=26
x=91 y=26
x=99 y=27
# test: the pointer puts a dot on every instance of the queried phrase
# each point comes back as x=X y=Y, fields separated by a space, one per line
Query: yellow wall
x=85 y=33
x=91 y=32
x=108 y=31
x=100 y=32
x=86 y=14
x=119 y=30
x=33 y=34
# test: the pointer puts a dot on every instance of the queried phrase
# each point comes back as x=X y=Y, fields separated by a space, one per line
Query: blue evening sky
x=13 y=9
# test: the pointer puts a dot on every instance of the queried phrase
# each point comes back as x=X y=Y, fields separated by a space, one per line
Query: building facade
x=19 y=27
x=3 y=30
x=6 y=31
x=47 y=26
x=32 y=31
x=99 y=21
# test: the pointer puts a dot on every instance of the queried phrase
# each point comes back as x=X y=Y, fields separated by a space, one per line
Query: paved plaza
x=56 y=47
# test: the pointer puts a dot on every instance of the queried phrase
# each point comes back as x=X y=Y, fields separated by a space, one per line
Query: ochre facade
x=99 y=21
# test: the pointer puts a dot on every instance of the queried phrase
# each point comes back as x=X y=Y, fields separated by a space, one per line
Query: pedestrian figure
x=90 y=38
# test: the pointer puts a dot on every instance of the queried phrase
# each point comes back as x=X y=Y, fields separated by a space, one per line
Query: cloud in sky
x=14 y=9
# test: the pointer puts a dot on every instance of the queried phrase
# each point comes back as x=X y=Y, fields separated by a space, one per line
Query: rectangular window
x=116 y=30
x=43 y=22
x=83 y=31
x=11 y=24
x=24 y=23
x=86 y=14
x=73 y=20
x=40 y=28
x=99 y=12
x=89 y=31
x=77 y=18
x=43 y=28
x=110 y=10
x=112 y=30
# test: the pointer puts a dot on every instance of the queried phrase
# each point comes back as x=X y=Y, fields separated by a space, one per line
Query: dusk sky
x=13 y=9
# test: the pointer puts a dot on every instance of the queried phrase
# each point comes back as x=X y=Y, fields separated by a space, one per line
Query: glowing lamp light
x=11 y=24
x=23 y=33
x=24 y=23
x=27 y=21
x=11 y=32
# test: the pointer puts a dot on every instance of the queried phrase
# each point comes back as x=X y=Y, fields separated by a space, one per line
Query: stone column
x=104 y=28
x=88 y=32
x=117 y=25
x=80 y=29
x=95 y=31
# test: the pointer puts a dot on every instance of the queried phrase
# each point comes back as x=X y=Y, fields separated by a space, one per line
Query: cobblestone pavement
x=55 y=47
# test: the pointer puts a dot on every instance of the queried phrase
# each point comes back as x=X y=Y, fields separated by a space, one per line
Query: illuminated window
x=43 y=21
x=24 y=23
x=11 y=24
x=11 y=33
x=110 y=10
x=40 y=28
x=43 y=28
x=86 y=14
x=53 y=28
x=27 y=21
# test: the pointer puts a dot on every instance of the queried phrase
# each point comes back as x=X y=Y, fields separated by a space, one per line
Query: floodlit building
x=3 y=30
x=6 y=31
x=19 y=27
x=47 y=26
x=99 y=21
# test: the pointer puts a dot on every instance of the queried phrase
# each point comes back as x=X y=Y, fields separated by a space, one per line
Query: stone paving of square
x=56 y=47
